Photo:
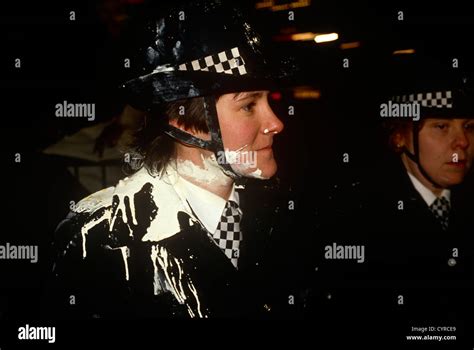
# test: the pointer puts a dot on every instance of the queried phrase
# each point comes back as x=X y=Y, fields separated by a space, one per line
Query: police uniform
x=417 y=269
x=147 y=247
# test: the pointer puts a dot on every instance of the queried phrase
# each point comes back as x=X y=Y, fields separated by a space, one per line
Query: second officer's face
x=446 y=150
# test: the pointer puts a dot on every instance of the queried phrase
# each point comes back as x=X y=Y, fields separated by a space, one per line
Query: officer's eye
x=249 y=107
x=441 y=126
x=469 y=127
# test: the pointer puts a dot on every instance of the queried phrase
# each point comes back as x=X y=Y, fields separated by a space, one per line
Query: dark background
x=82 y=61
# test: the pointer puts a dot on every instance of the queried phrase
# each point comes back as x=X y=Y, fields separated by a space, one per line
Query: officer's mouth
x=461 y=163
x=266 y=148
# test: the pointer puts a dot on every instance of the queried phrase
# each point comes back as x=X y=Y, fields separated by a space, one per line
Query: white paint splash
x=94 y=201
x=157 y=288
x=211 y=173
x=169 y=274
x=122 y=191
x=247 y=161
x=170 y=265
x=132 y=210
x=125 y=261
x=105 y=198
x=121 y=207
x=85 y=229
x=240 y=158
x=242 y=161
x=257 y=174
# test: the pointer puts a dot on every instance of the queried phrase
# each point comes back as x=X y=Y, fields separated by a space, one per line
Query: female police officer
x=408 y=213
x=176 y=238
x=419 y=204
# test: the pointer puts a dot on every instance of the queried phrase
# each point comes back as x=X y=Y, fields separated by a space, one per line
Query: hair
x=398 y=126
x=146 y=140
x=394 y=127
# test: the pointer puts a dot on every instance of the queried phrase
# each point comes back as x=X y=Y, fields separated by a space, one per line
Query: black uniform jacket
x=413 y=273
x=137 y=250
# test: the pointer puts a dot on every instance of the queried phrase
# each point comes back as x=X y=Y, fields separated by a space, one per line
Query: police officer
x=178 y=238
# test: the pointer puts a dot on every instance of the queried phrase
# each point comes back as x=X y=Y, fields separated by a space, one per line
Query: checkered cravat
x=440 y=209
x=228 y=234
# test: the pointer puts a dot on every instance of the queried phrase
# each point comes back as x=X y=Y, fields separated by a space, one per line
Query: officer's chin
x=263 y=173
x=270 y=170
x=451 y=180
x=456 y=181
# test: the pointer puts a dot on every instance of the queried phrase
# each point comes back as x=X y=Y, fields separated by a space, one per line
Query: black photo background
x=76 y=51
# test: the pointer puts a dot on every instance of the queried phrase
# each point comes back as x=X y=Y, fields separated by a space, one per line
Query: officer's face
x=248 y=126
x=446 y=148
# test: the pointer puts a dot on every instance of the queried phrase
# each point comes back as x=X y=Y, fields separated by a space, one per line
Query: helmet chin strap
x=214 y=145
x=416 y=156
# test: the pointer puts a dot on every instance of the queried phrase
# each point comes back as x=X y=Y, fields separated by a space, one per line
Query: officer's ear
x=400 y=135
x=399 y=139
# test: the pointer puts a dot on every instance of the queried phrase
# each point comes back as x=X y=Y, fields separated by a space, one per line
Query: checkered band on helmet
x=437 y=99
x=227 y=62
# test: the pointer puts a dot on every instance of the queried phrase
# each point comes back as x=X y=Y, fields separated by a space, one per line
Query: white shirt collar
x=428 y=196
x=207 y=206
